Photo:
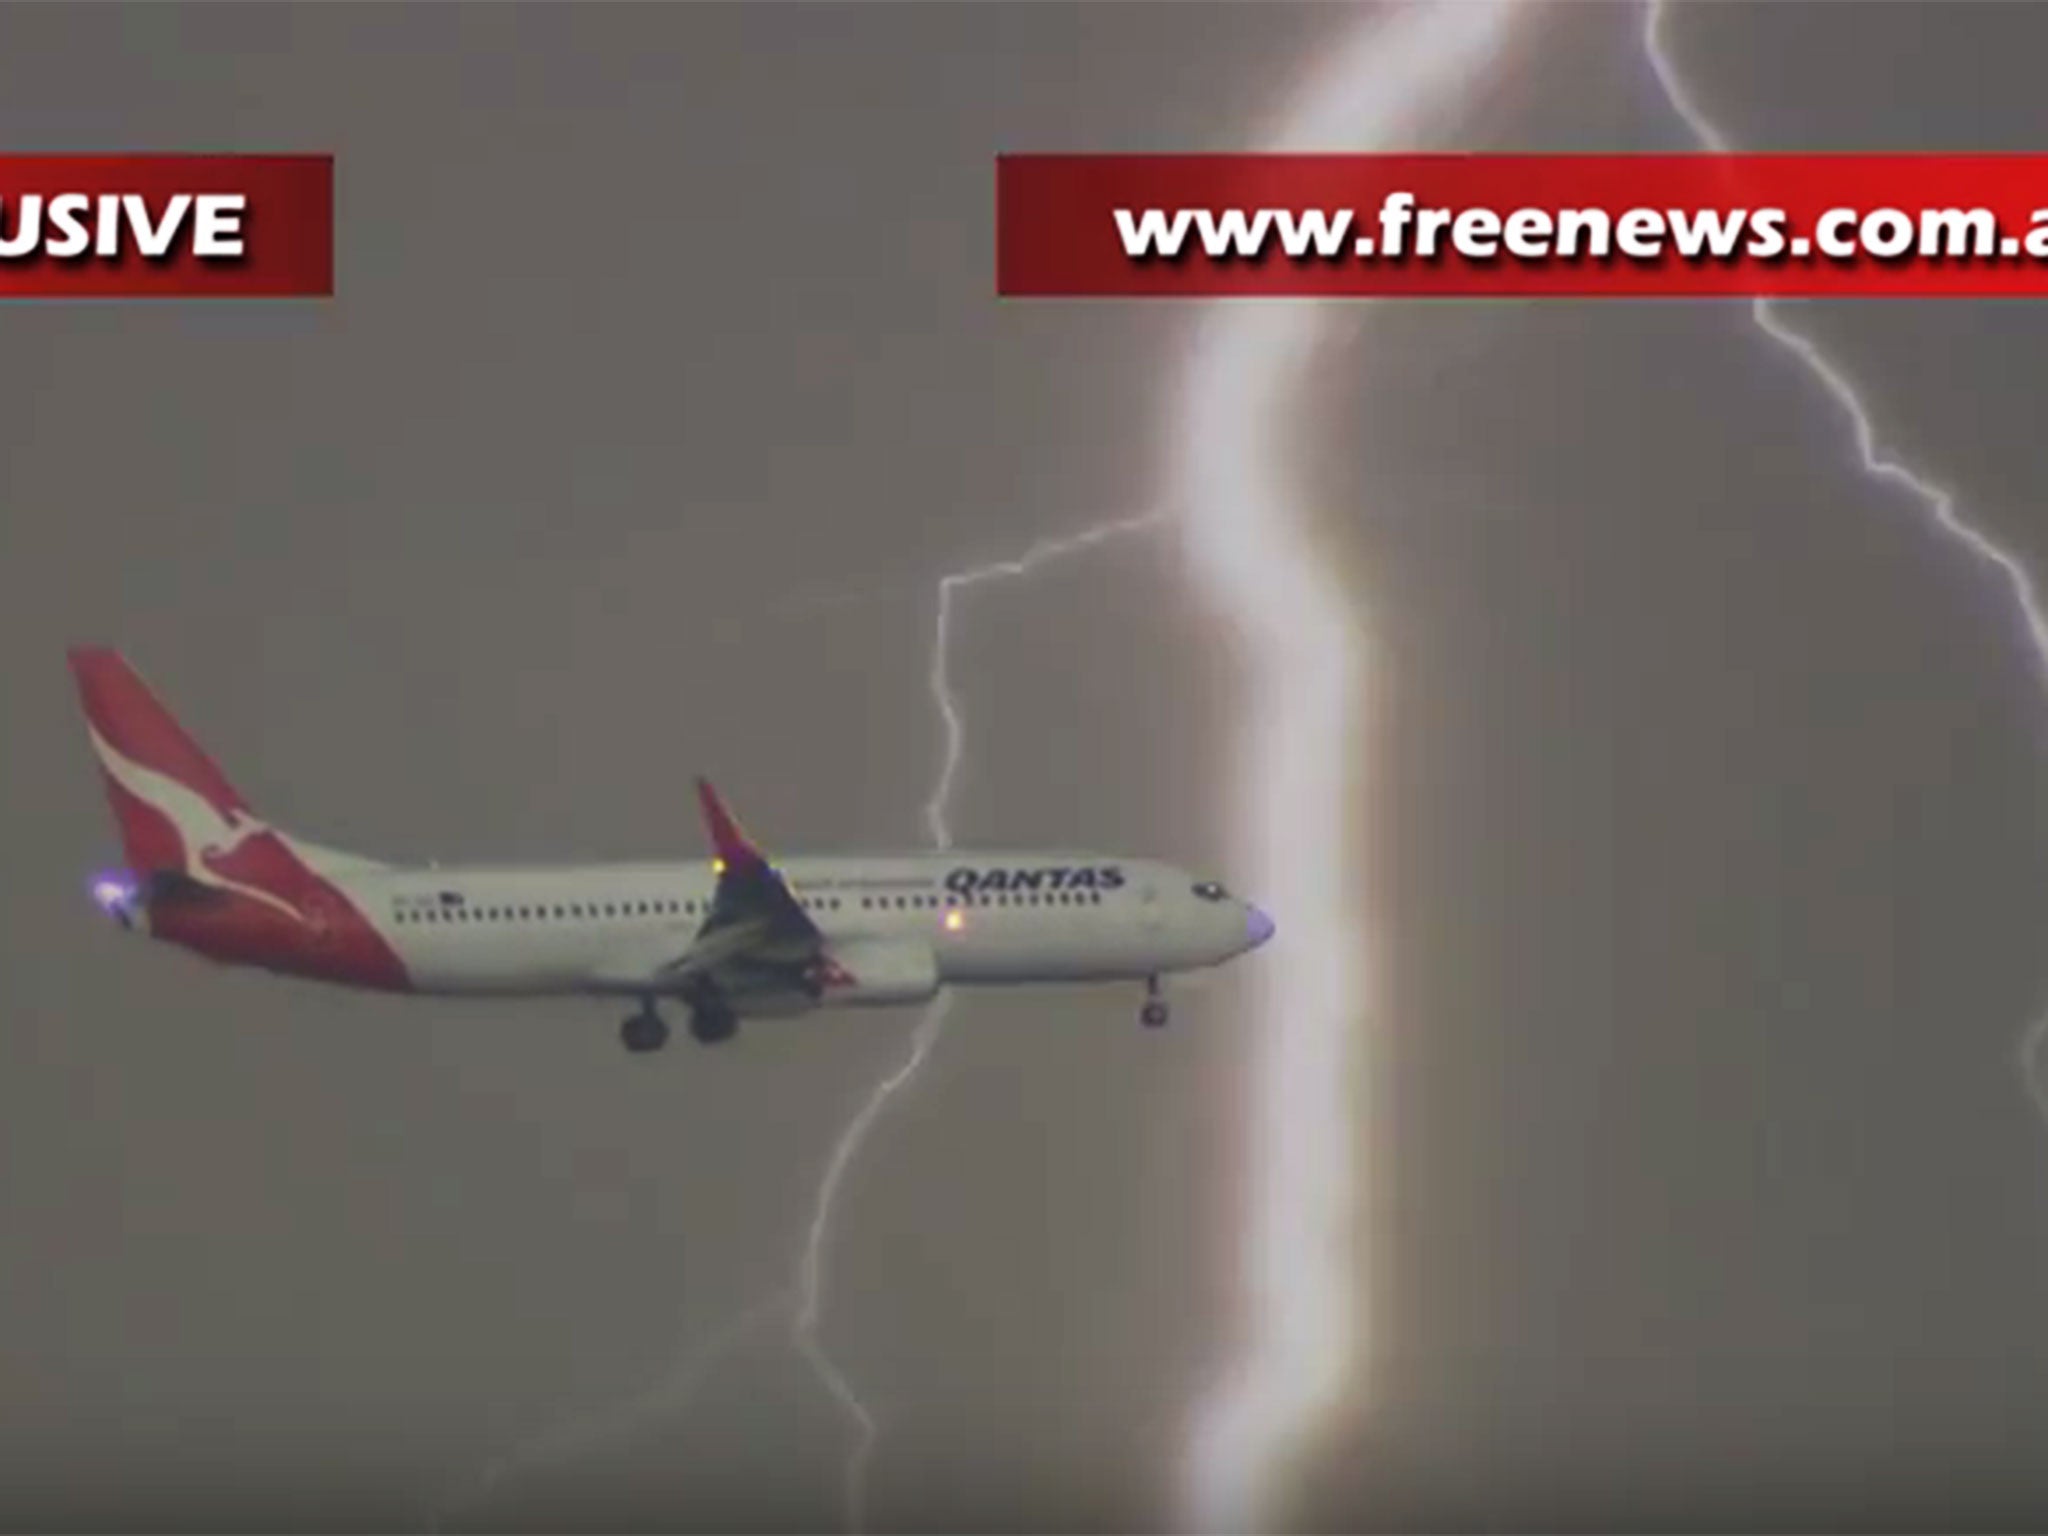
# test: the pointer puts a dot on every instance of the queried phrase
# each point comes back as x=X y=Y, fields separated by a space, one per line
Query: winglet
x=728 y=842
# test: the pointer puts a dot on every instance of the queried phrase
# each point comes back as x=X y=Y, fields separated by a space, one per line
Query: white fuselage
x=566 y=929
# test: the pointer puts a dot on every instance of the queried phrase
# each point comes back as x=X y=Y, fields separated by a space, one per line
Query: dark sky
x=1707 y=820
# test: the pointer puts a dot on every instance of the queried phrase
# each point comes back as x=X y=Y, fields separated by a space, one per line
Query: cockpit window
x=1209 y=890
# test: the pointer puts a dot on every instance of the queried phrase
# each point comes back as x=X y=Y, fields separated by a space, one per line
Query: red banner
x=166 y=226
x=1522 y=225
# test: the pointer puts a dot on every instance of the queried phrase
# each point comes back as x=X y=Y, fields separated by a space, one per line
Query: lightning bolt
x=1938 y=503
x=578 y=1437
x=804 y=1302
x=807 y=1320
x=1254 y=559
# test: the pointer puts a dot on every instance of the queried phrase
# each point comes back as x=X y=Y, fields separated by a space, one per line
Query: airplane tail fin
x=168 y=797
x=171 y=803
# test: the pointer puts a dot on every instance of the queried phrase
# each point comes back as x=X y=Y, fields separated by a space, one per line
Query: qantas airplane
x=728 y=938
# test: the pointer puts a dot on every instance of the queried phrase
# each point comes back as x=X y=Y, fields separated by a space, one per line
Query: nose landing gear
x=1155 y=1012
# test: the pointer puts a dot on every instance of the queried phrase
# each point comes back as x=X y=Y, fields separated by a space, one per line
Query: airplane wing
x=757 y=933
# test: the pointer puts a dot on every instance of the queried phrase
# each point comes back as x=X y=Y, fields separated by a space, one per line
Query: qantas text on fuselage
x=726 y=938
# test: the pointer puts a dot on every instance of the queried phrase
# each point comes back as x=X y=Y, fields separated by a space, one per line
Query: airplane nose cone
x=1258 y=926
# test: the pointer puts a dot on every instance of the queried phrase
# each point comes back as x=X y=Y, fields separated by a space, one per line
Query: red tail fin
x=168 y=798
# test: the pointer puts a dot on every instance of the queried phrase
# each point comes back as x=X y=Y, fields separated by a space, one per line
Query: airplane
x=731 y=937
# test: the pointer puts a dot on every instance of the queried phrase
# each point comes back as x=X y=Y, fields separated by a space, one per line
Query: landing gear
x=711 y=1017
x=644 y=1031
x=711 y=1023
x=1155 y=1013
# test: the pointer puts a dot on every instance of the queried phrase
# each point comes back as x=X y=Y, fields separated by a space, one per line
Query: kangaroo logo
x=208 y=836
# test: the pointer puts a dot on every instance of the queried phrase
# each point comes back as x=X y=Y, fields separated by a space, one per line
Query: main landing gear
x=711 y=1016
x=710 y=1022
x=1154 y=1014
x=644 y=1031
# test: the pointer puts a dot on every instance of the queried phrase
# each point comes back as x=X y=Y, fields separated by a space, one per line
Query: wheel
x=1153 y=1015
x=710 y=1024
x=644 y=1031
